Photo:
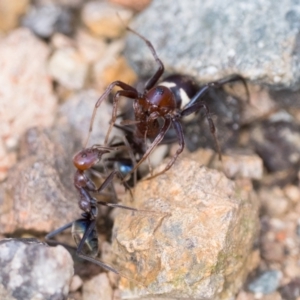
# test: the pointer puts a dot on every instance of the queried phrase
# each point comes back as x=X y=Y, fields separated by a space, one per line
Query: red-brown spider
x=159 y=102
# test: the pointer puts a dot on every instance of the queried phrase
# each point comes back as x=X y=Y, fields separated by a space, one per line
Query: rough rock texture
x=32 y=270
x=38 y=194
x=26 y=95
x=202 y=249
x=212 y=39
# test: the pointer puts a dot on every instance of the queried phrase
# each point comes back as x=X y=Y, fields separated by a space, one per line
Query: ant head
x=86 y=158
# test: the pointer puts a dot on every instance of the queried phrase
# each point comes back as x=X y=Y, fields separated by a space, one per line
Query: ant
x=84 y=229
x=158 y=102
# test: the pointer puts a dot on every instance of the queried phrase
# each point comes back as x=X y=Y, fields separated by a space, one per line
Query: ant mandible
x=84 y=230
x=159 y=102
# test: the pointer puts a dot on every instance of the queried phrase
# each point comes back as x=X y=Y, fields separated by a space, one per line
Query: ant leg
x=153 y=80
x=179 y=132
x=157 y=140
x=108 y=90
x=195 y=107
x=116 y=205
x=49 y=237
x=128 y=94
x=88 y=258
x=109 y=179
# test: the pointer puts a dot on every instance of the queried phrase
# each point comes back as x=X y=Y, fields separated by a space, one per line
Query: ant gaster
x=159 y=102
x=84 y=229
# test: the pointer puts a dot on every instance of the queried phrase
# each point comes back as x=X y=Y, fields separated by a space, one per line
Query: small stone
x=201 y=230
x=45 y=20
x=61 y=41
x=68 y=68
x=103 y=19
x=242 y=295
x=274 y=202
x=291 y=291
x=26 y=93
x=235 y=164
x=90 y=47
x=136 y=5
x=119 y=70
x=76 y=283
x=260 y=103
x=266 y=283
x=203 y=156
x=273 y=251
x=97 y=288
x=277 y=141
x=10 y=12
x=273 y=296
x=292 y=192
x=33 y=270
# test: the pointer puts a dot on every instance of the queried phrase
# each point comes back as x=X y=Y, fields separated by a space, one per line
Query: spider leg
x=153 y=80
x=197 y=106
x=108 y=90
x=217 y=84
x=179 y=133
x=129 y=94
x=157 y=140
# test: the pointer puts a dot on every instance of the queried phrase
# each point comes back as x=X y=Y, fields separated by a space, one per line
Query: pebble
x=97 y=288
x=45 y=20
x=10 y=12
x=274 y=202
x=277 y=141
x=33 y=270
x=103 y=18
x=90 y=47
x=76 y=283
x=68 y=67
x=176 y=255
x=266 y=283
x=136 y=5
x=26 y=93
x=245 y=165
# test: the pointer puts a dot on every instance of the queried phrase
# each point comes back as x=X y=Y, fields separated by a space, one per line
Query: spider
x=159 y=102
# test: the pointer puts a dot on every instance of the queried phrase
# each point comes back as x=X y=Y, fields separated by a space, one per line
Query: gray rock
x=33 y=270
x=44 y=20
x=212 y=39
x=201 y=250
x=266 y=283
